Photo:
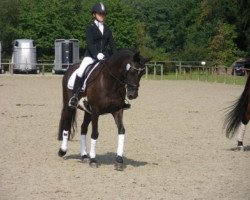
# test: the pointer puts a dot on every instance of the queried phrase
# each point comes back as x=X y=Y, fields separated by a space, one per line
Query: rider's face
x=100 y=17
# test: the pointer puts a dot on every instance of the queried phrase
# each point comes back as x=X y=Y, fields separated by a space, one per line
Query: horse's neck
x=117 y=64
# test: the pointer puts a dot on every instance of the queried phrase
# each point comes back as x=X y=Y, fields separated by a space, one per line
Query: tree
x=243 y=26
x=173 y=29
x=223 y=49
x=9 y=19
x=44 y=21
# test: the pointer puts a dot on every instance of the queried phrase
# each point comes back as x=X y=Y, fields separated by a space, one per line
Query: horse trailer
x=24 y=58
x=66 y=54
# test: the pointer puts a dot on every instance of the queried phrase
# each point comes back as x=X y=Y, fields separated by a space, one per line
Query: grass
x=226 y=79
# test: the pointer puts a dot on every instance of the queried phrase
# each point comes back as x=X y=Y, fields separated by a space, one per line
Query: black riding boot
x=77 y=87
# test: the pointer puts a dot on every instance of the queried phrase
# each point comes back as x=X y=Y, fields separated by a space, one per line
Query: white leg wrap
x=92 y=153
x=242 y=129
x=120 y=148
x=83 y=145
x=64 y=145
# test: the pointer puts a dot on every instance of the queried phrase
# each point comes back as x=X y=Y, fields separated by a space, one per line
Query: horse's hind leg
x=118 y=116
x=64 y=130
x=84 y=130
x=242 y=129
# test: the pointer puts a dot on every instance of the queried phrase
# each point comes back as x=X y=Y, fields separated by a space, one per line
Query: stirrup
x=86 y=106
x=73 y=102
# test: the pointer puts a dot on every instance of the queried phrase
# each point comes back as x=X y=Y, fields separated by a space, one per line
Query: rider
x=99 y=42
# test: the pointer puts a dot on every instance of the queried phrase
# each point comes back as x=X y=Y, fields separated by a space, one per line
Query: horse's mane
x=124 y=51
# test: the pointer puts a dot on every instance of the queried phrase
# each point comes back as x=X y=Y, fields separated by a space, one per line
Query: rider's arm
x=90 y=43
x=111 y=42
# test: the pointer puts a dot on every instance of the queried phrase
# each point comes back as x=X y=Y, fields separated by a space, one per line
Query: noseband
x=130 y=86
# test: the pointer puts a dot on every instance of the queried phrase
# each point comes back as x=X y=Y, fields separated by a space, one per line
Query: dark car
x=241 y=67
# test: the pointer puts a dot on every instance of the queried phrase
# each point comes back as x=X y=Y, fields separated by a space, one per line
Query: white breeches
x=85 y=62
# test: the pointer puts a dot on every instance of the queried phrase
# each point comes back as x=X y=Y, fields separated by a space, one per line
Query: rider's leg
x=79 y=81
x=77 y=87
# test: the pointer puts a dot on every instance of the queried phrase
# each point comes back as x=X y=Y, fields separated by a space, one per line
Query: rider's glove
x=100 y=56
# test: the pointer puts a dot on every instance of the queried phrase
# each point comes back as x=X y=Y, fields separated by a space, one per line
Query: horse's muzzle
x=132 y=94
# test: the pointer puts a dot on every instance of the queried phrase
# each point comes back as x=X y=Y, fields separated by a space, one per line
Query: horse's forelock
x=122 y=54
x=124 y=51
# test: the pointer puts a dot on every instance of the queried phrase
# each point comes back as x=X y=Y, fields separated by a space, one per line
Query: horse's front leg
x=94 y=136
x=84 y=130
x=118 y=116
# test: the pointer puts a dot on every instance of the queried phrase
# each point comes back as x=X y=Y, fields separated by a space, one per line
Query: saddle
x=88 y=71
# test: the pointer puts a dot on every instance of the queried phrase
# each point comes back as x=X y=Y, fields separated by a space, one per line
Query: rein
x=125 y=81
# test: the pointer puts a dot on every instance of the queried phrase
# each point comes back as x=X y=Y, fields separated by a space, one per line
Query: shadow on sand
x=109 y=159
x=246 y=148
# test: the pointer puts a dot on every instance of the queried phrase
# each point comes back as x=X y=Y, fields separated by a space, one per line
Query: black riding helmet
x=99 y=8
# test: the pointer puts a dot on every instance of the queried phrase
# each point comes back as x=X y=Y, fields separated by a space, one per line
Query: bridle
x=130 y=86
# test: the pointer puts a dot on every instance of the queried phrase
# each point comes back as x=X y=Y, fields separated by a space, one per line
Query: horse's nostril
x=130 y=96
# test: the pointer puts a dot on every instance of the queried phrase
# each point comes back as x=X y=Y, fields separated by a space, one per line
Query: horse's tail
x=68 y=115
x=237 y=112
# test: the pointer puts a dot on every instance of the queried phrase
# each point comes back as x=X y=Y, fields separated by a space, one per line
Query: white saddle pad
x=73 y=77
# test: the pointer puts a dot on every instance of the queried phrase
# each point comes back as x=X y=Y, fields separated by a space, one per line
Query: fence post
x=234 y=76
x=176 y=73
x=216 y=76
x=212 y=73
x=225 y=76
x=11 y=68
x=161 y=71
x=180 y=67
x=43 y=70
x=198 y=73
x=190 y=73
x=154 y=70
x=185 y=75
x=207 y=74
x=146 y=71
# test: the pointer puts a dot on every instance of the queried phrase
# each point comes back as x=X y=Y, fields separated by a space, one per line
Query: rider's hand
x=100 y=56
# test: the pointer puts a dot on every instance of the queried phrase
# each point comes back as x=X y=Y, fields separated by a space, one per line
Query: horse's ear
x=137 y=57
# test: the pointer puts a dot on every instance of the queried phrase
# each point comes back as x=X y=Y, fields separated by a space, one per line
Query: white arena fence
x=160 y=70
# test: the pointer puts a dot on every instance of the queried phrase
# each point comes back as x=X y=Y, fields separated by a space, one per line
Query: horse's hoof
x=61 y=153
x=119 y=163
x=85 y=159
x=119 y=166
x=93 y=163
x=240 y=148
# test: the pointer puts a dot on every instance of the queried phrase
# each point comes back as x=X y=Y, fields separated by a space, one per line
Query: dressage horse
x=107 y=87
x=238 y=116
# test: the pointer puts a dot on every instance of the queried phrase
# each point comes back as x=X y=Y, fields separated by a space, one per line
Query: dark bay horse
x=238 y=116
x=106 y=91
